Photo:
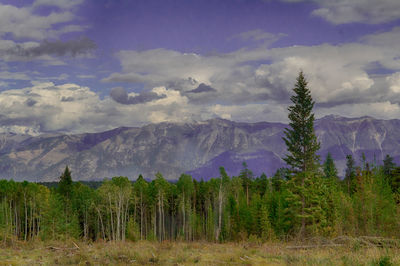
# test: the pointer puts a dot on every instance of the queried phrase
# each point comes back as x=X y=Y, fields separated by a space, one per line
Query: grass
x=196 y=253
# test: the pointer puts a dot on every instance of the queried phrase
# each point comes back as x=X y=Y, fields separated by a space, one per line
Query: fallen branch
x=62 y=248
x=314 y=246
x=380 y=241
x=75 y=245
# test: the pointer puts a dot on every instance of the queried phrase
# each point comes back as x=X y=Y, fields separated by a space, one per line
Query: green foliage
x=65 y=184
x=306 y=204
x=133 y=230
x=388 y=165
x=394 y=179
x=222 y=209
x=57 y=223
x=330 y=170
x=300 y=138
x=266 y=230
x=350 y=175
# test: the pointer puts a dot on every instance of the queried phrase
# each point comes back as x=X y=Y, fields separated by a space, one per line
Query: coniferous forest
x=307 y=199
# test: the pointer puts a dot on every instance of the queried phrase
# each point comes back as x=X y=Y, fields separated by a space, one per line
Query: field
x=195 y=253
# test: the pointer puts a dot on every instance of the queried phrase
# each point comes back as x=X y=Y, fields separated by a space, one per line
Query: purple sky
x=90 y=65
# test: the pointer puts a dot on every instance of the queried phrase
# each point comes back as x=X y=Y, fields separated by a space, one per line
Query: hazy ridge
x=198 y=148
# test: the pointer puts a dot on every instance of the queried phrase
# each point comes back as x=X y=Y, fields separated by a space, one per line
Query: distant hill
x=198 y=148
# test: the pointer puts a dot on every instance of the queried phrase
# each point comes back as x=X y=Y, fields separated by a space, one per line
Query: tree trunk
x=184 y=216
x=219 y=212
x=26 y=217
x=141 y=215
x=111 y=219
x=303 y=205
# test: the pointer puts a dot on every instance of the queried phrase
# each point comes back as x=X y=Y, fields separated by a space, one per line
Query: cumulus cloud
x=42 y=106
x=23 y=22
x=46 y=107
x=120 y=95
x=338 y=75
x=394 y=82
x=160 y=66
x=363 y=11
x=184 y=72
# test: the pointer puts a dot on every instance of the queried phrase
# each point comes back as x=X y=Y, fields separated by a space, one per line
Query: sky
x=76 y=66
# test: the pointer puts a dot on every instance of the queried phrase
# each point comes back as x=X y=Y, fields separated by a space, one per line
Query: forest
x=221 y=209
x=305 y=200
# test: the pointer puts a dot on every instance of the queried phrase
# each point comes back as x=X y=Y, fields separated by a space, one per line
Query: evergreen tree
x=216 y=210
x=330 y=170
x=300 y=139
x=388 y=165
x=302 y=146
x=280 y=176
x=65 y=184
x=350 y=174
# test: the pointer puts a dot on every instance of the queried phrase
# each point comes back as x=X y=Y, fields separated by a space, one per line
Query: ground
x=194 y=253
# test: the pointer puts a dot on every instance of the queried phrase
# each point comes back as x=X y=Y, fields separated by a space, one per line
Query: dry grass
x=196 y=253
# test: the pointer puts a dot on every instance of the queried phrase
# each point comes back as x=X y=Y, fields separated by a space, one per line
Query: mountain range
x=197 y=148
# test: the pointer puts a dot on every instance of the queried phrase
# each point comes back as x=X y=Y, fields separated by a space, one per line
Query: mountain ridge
x=195 y=148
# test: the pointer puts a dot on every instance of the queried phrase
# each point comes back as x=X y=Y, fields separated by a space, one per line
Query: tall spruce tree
x=300 y=138
x=302 y=146
x=65 y=184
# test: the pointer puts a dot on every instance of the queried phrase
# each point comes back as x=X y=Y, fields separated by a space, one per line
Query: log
x=314 y=246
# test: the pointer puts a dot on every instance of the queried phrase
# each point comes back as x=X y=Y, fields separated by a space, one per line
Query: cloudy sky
x=91 y=65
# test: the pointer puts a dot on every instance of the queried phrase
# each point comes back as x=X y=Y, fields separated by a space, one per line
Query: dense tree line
x=306 y=199
x=365 y=202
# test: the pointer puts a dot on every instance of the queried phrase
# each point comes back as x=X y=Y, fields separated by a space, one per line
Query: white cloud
x=160 y=66
x=336 y=73
x=23 y=22
x=253 y=83
x=73 y=108
x=394 y=82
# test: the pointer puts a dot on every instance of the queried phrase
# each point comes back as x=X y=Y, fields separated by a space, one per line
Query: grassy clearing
x=196 y=253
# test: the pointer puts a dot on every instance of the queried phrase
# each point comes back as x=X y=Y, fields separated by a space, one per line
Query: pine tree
x=330 y=170
x=281 y=175
x=302 y=146
x=301 y=140
x=65 y=184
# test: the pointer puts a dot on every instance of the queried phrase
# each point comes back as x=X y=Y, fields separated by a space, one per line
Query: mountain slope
x=197 y=148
